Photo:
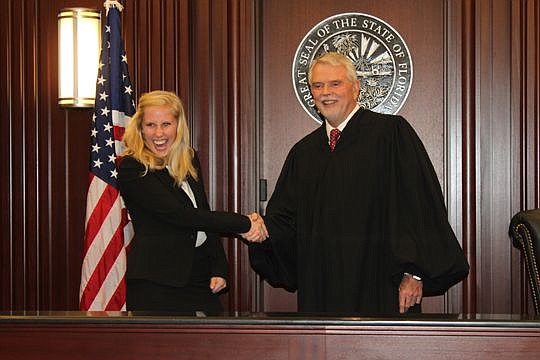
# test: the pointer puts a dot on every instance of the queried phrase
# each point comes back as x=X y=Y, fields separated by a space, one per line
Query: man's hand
x=257 y=232
x=410 y=293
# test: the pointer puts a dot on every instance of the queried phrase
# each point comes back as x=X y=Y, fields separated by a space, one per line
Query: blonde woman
x=176 y=262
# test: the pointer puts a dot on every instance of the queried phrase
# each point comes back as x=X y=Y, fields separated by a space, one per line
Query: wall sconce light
x=79 y=45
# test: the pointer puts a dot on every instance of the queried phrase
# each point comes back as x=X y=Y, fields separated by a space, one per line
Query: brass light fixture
x=79 y=45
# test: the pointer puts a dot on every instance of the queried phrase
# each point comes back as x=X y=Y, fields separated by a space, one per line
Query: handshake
x=258 y=231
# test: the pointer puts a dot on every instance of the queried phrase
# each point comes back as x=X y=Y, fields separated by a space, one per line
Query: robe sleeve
x=275 y=258
x=421 y=237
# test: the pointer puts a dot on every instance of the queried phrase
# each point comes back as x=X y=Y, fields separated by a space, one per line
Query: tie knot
x=334 y=136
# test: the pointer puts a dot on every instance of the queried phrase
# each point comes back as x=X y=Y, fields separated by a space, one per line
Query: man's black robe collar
x=347 y=135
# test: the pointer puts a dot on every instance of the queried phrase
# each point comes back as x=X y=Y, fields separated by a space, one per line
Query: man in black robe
x=360 y=228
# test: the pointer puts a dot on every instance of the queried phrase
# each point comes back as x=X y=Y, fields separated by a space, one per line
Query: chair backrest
x=525 y=233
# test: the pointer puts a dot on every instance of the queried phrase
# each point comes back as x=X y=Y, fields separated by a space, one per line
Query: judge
x=357 y=220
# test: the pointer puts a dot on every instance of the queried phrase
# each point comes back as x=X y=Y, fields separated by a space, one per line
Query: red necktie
x=334 y=136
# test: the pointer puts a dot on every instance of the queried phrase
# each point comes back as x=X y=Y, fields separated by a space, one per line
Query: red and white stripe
x=108 y=234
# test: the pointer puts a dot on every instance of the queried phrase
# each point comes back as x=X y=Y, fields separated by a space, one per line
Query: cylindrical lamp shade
x=79 y=46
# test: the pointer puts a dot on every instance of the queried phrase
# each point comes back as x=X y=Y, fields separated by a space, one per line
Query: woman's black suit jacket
x=166 y=225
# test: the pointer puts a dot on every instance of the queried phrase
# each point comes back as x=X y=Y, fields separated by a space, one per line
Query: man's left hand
x=410 y=293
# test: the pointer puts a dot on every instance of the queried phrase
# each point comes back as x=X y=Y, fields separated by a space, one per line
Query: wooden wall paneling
x=163 y=37
x=520 y=293
x=45 y=92
x=483 y=139
x=250 y=134
x=13 y=159
x=5 y=161
x=209 y=106
x=219 y=132
x=468 y=152
x=30 y=140
x=54 y=289
x=28 y=157
x=246 y=116
x=16 y=270
x=37 y=152
x=525 y=75
x=236 y=298
x=141 y=31
x=491 y=121
x=519 y=288
x=182 y=57
x=225 y=143
x=59 y=151
x=218 y=124
x=530 y=101
x=23 y=160
x=23 y=137
x=156 y=40
x=169 y=47
x=149 y=34
x=232 y=245
x=493 y=154
x=533 y=44
x=533 y=88
x=452 y=100
x=199 y=104
x=209 y=53
x=241 y=159
x=221 y=129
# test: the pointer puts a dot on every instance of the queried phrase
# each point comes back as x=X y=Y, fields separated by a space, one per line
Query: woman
x=176 y=261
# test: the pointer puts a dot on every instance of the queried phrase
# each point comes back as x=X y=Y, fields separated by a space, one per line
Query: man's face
x=334 y=93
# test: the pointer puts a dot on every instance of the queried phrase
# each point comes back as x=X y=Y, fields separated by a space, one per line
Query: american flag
x=108 y=230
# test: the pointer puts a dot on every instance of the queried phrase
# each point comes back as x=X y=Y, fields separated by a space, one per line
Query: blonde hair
x=180 y=158
x=334 y=59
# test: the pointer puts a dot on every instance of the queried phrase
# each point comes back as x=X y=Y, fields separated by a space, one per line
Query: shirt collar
x=343 y=124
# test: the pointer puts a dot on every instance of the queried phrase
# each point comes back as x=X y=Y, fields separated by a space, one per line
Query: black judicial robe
x=345 y=225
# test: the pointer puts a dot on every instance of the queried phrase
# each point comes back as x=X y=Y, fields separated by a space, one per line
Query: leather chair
x=525 y=233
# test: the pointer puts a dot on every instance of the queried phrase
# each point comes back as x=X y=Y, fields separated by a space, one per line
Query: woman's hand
x=217 y=284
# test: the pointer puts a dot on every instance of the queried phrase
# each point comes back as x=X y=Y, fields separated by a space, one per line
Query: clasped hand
x=257 y=232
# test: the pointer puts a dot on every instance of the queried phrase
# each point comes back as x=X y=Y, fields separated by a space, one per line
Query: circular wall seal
x=382 y=60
